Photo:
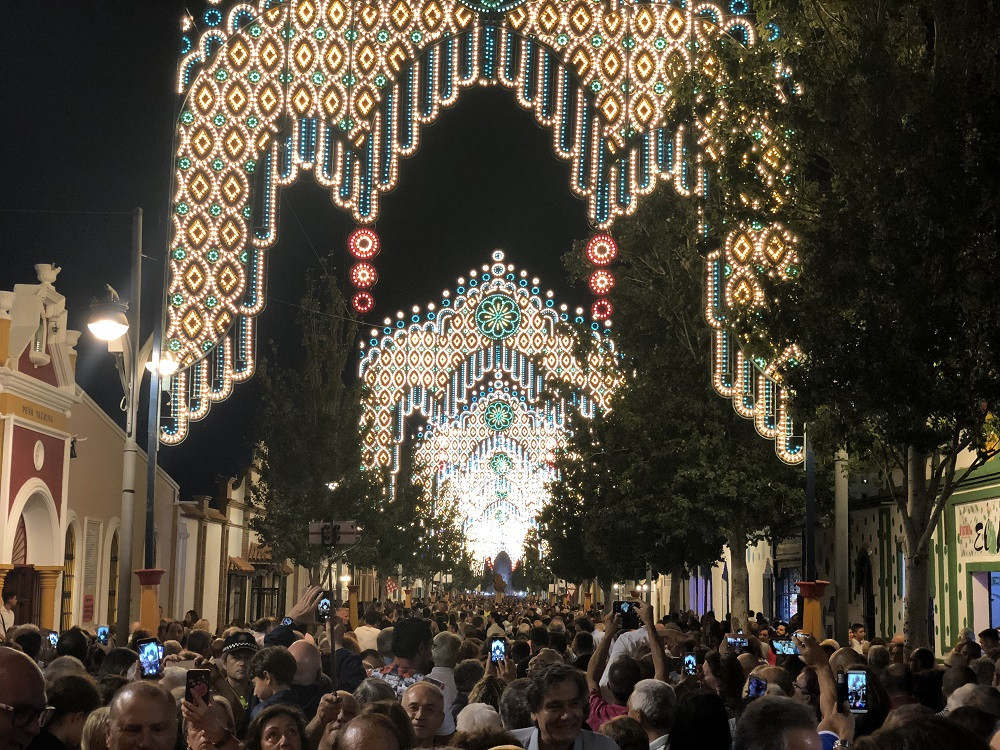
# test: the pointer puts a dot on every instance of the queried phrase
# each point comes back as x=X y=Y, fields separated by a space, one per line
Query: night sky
x=85 y=136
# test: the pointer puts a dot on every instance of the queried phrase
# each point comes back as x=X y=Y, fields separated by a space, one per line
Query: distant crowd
x=479 y=673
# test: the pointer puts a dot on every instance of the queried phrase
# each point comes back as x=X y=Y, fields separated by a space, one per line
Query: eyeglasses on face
x=21 y=716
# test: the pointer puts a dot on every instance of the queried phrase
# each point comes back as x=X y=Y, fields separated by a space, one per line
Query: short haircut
x=73 y=643
x=30 y=640
x=445 y=649
x=539 y=638
x=924 y=657
x=371 y=690
x=276 y=661
x=623 y=674
x=657 y=703
x=990 y=634
x=766 y=720
x=72 y=694
x=8 y=595
x=552 y=675
x=199 y=641
x=898 y=679
x=515 y=712
x=856 y=626
x=467 y=673
x=383 y=641
x=396 y=715
x=409 y=636
x=627 y=733
x=374 y=721
x=985 y=669
x=954 y=678
x=372 y=616
x=142 y=689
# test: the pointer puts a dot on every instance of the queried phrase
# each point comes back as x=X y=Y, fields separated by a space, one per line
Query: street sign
x=333 y=533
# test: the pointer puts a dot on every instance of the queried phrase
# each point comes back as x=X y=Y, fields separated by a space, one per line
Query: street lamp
x=109 y=322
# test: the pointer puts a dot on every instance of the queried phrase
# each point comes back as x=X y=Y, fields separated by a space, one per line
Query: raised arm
x=660 y=671
x=595 y=668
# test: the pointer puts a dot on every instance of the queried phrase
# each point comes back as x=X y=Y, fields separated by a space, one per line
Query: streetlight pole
x=110 y=323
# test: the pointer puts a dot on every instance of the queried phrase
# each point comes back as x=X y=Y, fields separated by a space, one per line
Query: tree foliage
x=897 y=214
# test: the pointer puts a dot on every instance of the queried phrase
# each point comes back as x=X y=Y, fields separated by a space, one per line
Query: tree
x=307 y=454
x=897 y=216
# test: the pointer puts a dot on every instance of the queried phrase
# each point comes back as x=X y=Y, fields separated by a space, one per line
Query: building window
x=236 y=599
x=788 y=593
x=113 y=582
x=66 y=612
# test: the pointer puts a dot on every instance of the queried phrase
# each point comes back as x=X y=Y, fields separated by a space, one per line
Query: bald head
x=308 y=664
x=368 y=732
x=424 y=704
x=143 y=715
x=21 y=686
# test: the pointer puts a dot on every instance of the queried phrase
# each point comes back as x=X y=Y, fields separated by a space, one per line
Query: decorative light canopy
x=482 y=367
x=274 y=89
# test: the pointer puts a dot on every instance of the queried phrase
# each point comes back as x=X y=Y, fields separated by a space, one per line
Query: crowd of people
x=479 y=673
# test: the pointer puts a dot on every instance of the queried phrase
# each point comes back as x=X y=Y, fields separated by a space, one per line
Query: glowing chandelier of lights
x=445 y=360
x=275 y=89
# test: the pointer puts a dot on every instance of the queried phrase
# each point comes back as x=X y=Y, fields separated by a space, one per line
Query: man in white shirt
x=367 y=634
x=653 y=704
x=7 y=612
x=445 y=655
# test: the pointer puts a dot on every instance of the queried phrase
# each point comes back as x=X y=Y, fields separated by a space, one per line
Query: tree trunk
x=608 y=596
x=739 y=604
x=675 y=590
x=383 y=593
x=916 y=602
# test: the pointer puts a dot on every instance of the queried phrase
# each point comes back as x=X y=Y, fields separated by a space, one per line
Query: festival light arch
x=279 y=88
x=495 y=372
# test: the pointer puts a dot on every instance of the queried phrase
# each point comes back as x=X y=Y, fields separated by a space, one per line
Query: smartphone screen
x=102 y=635
x=498 y=649
x=737 y=643
x=857 y=691
x=629 y=612
x=150 y=663
x=198 y=685
x=690 y=663
x=323 y=607
x=785 y=646
x=54 y=639
x=757 y=687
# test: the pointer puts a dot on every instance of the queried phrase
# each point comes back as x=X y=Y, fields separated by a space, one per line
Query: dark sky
x=86 y=123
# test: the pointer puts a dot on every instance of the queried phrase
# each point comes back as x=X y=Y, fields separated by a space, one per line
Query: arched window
x=69 y=566
x=113 y=582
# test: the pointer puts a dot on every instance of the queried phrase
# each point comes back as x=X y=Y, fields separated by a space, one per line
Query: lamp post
x=109 y=321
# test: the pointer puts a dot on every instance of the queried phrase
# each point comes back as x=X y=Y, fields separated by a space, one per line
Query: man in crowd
x=143 y=716
x=237 y=651
x=72 y=698
x=7 y=612
x=445 y=655
x=411 y=648
x=653 y=705
x=22 y=699
x=856 y=638
x=367 y=634
x=424 y=704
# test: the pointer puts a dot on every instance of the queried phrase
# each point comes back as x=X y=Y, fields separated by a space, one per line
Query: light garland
x=342 y=90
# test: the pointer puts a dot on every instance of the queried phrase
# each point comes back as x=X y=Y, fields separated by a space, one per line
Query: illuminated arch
x=341 y=89
x=447 y=363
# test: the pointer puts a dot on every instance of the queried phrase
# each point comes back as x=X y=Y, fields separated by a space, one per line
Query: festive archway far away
x=486 y=383
x=279 y=88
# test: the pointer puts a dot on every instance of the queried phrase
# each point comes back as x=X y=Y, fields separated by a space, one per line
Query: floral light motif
x=499 y=416
x=501 y=463
x=498 y=317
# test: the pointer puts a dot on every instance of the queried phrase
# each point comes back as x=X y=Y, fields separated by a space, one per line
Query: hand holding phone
x=757 y=687
x=103 y=635
x=629 y=612
x=690 y=667
x=53 y=638
x=150 y=662
x=498 y=649
x=324 y=607
x=857 y=691
x=198 y=685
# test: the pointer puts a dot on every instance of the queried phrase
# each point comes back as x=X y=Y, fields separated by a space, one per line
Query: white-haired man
x=653 y=704
x=444 y=651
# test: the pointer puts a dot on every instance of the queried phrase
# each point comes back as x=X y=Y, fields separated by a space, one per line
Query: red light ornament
x=602 y=309
x=601 y=250
x=364 y=275
x=601 y=282
x=363 y=302
x=363 y=243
